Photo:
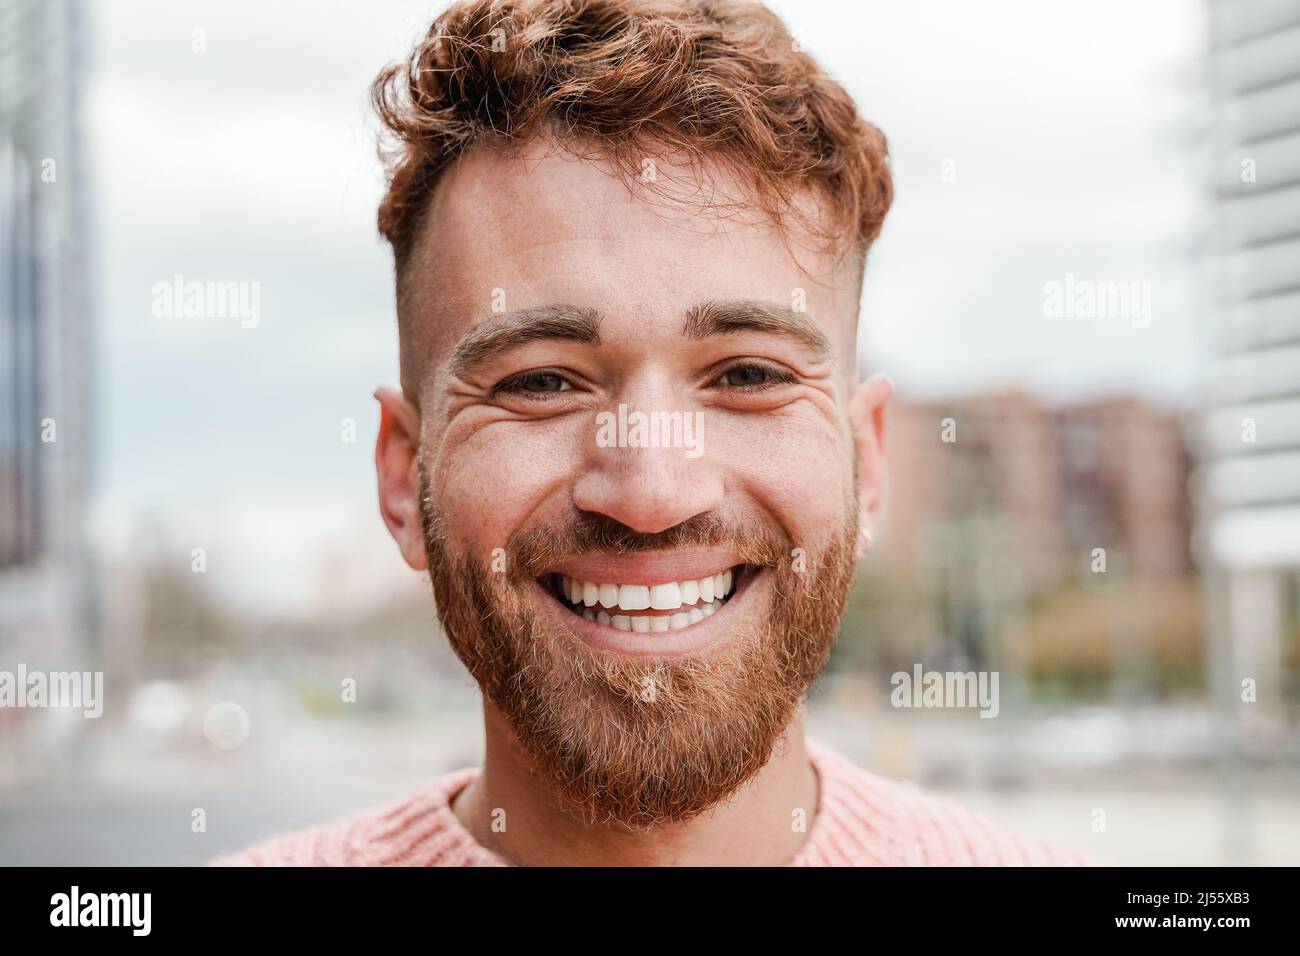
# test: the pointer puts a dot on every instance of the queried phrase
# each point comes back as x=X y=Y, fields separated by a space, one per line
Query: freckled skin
x=549 y=229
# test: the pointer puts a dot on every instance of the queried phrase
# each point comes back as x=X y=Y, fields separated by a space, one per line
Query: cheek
x=798 y=469
x=490 y=482
x=793 y=469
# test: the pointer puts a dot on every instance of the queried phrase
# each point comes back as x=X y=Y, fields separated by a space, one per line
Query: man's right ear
x=397 y=465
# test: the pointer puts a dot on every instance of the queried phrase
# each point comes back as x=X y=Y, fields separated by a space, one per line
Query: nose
x=649 y=489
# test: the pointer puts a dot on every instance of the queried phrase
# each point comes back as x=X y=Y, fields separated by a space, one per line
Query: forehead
x=542 y=227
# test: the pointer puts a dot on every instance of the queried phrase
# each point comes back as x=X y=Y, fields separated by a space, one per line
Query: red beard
x=634 y=741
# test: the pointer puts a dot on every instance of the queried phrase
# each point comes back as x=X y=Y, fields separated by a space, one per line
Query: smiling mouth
x=643 y=609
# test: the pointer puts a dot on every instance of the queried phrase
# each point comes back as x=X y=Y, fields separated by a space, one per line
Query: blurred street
x=131 y=805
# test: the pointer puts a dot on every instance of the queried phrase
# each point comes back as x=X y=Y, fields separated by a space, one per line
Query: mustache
x=530 y=552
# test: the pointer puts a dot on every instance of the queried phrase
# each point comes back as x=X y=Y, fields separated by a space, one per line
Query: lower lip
x=688 y=640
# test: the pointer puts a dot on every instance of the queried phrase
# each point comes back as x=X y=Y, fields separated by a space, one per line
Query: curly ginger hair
x=717 y=80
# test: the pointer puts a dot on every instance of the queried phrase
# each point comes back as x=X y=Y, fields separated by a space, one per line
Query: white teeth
x=666 y=597
x=690 y=592
x=654 y=623
x=634 y=597
x=692 y=601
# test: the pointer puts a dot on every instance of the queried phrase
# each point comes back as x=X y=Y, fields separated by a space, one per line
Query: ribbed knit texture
x=861 y=820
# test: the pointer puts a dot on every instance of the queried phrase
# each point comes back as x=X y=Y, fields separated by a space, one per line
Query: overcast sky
x=1067 y=132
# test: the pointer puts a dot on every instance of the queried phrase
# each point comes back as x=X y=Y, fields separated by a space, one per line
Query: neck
x=761 y=824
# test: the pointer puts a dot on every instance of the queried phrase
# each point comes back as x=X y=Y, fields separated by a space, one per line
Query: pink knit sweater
x=862 y=820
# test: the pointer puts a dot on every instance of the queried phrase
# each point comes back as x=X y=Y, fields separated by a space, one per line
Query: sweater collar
x=839 y=835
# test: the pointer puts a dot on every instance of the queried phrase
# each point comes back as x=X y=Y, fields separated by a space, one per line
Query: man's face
x=573 y=553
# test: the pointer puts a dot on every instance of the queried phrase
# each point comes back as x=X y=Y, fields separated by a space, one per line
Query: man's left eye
x=535 y=383
x=752 y=377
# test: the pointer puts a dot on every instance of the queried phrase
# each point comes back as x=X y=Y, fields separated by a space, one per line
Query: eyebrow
x=498 y=336
x=744 y=315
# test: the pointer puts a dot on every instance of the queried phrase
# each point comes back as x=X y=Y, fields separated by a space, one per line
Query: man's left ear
x=867 y=413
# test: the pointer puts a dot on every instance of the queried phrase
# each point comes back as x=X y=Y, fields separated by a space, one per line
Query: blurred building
x=1250 y=485
x=1000 y=504
x=44 y=329
x=1060 y=482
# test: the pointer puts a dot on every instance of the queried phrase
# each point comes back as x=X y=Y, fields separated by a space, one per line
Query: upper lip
x=645 y=567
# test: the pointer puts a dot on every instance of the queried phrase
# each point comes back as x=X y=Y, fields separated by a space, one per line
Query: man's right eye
x=534 y=384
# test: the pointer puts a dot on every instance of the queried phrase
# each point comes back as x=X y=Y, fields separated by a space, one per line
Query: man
x=630 y=446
